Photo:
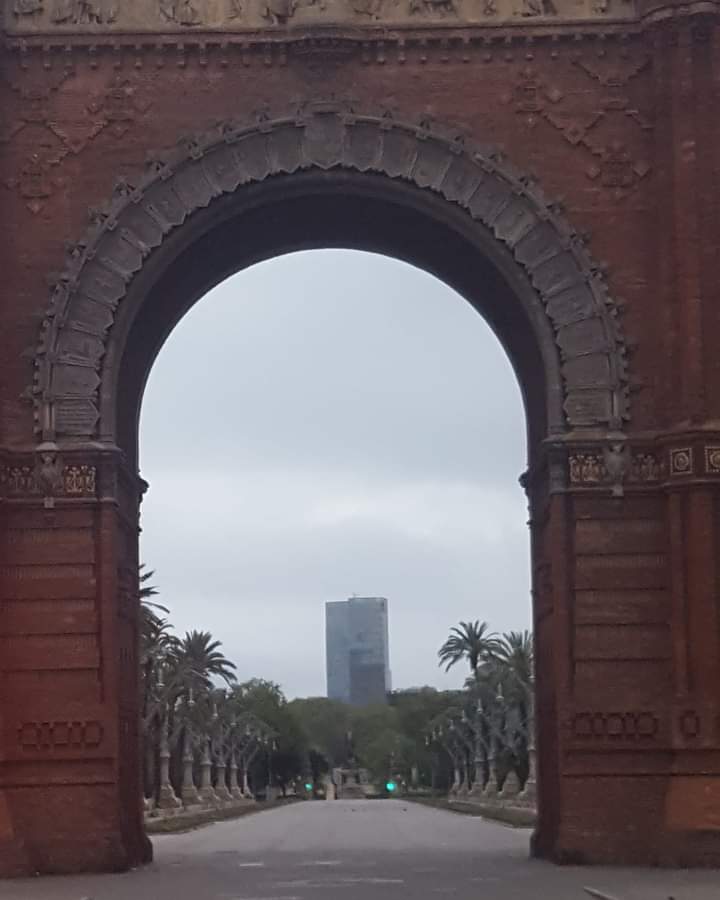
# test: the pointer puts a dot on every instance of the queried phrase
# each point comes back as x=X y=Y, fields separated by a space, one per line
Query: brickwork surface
x=136 y=170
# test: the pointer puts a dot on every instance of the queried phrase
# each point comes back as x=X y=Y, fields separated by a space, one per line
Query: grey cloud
x=330 y=423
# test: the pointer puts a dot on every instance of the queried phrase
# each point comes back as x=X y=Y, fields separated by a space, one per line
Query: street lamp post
x=271 y=745
x=529 y=792
x=479 y=783
x=491 y=788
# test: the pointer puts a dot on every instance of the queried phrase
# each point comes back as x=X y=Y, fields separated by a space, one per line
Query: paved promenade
x=360 y=850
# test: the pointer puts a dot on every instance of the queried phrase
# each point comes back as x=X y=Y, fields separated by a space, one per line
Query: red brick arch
x=615 y=106
x=587 y=383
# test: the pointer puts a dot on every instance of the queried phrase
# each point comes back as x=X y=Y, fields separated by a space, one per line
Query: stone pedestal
x=463 y=789
x=235 y=789
x=206 y=791
x=490 y=793
x=528 y=795
x=247 y=792
x=167 y=798
x=511 y=787
x=188 y=791
x=221 y=789
x=478 y=788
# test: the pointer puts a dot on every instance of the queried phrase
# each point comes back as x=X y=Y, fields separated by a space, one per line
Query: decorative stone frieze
x=326 y=136
x=108 y=16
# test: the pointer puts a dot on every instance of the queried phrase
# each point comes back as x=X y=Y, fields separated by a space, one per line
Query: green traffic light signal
x=308 y=786
x=390 y=786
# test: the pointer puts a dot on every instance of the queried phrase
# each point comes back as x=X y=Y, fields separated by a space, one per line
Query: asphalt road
x=360 y=850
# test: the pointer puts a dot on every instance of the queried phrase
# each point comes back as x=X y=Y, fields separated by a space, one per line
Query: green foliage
x=417 y=738
x=468 y=640
x=326 y=723
x=200 y=659
x=287 y=756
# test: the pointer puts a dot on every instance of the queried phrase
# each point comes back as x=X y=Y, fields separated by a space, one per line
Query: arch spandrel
x=588 y=345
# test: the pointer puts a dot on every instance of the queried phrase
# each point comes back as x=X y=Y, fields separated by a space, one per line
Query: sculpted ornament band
x=222 y=15
x=101 y=267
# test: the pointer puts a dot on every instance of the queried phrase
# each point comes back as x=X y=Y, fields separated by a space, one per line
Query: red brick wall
x=623 y=128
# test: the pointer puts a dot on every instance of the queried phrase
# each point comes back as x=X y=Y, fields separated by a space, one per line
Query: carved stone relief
x=433 y=7
x=84 y=12
x=635 y=725
x=39 y=175
x=615 y=465
x=615 y=166
x=48 y=478
x=80 y=735
x=139 y=217
x=180 y=12
x=712 y=460
x=28 y=7
x=164 y=15
x=682 y=461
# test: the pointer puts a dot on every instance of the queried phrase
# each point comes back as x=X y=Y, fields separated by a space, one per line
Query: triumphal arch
x=558 y=163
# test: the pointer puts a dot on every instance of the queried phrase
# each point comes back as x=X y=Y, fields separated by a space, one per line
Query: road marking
x=599 y=895
x=251 y=865
x=336 y=882
x=323 y=862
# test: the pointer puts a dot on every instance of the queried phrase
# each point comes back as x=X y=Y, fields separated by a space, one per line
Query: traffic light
x=308 y=786
x=390 y=787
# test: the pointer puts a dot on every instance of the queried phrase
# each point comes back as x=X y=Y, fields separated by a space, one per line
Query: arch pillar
x=71 y=790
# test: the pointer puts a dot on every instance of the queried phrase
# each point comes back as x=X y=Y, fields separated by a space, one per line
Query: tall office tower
x=356 y=647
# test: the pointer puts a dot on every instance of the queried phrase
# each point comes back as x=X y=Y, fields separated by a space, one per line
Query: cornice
x=329 y=38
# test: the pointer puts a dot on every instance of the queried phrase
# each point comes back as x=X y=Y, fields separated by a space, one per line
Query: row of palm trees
x=489 y=733
x=197 y=736
x=205 y=742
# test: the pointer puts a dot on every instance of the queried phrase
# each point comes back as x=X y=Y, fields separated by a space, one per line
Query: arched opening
x=337 y=446
x=342 y=440
x=322 y=210
x=243 y=195
x=326 y=210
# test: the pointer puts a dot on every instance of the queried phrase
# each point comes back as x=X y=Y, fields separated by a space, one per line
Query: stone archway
x=97 y=302
x=590 y=383
x=599 y=517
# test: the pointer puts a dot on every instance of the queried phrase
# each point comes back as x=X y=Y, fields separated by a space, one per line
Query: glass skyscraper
x=356 y=647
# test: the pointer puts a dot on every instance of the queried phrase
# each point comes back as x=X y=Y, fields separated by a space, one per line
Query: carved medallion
x=681 y=461
x=712 y=460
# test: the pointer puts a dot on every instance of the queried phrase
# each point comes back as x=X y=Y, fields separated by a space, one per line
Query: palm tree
x=471 y=641
x=200 y=659
x=157 y=644
x=146 y=591
x=515 y=656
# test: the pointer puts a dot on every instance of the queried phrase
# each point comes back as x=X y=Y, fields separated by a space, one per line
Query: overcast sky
x=330 y=423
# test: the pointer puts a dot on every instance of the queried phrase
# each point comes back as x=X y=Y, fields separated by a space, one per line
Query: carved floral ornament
x=615 y=465
x=48 y=477
x=101 y=267
x=162 y=15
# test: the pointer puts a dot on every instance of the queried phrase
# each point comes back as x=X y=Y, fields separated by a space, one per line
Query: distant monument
x=351 y=782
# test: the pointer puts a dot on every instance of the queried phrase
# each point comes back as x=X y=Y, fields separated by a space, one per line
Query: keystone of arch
x=78 y=325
